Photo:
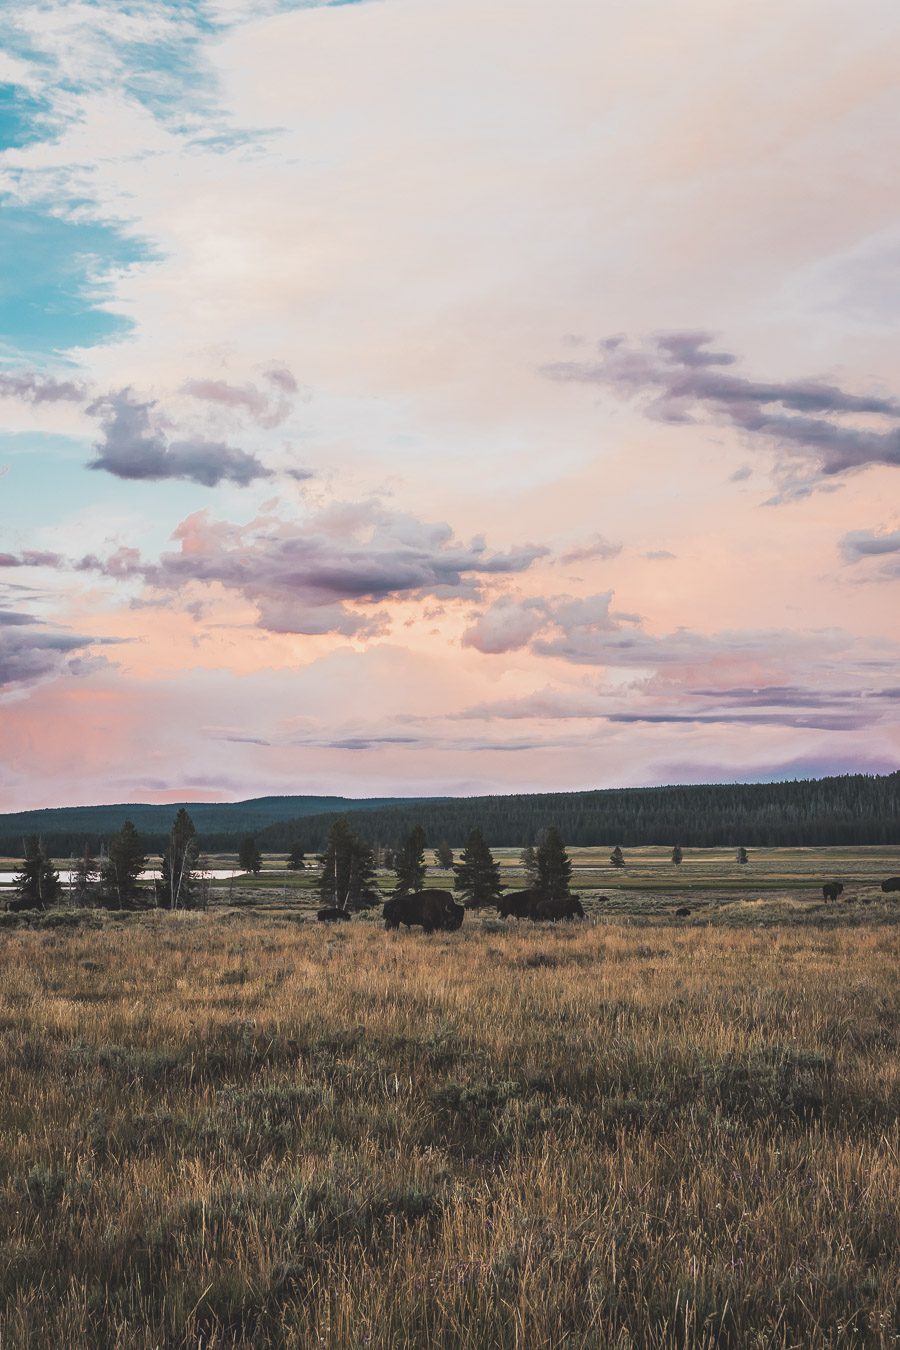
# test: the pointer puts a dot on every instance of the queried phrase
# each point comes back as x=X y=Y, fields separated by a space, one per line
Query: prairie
x=239 y=1128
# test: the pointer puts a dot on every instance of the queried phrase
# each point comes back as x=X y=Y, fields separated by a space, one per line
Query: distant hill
x=219 y=824
x=850 y=809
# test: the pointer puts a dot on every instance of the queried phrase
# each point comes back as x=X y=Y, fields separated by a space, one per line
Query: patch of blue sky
x=171 y=79
x=24 y=118
x=52 y=274
x=47 y=480
x=166 y=73
x=287 y=6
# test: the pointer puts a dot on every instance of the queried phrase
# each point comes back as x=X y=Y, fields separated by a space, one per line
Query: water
x=66 y=877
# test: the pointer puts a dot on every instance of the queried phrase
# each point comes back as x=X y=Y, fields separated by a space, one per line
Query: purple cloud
x=598 y=547
x=869 y=544
x=302 y=576
x=33 y=387
x=30 y=651
x=134 y=447
x=30 y=557
x=806 y=419
x=660 y=702
x=268 y=407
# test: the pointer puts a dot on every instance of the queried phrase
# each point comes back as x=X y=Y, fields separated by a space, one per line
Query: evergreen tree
x=528 y=859
x=477 y=875
x=38 y=884
x=348 y=869
x=296 y=860
x=443 y=854
x=85 y=876
x=409 y=863
x=387 y=859
x=554 y=867
x=742 y=855
x=124 y=863
x=617 y=857
x=677 y=855
x=249 y=856
x=177 y=885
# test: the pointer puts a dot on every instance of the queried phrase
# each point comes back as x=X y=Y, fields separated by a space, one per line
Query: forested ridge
x=66 y=829
x=850 y=809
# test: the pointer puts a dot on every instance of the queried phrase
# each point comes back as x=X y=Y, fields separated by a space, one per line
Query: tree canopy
x=477 y=875
x=38 y=884
x=123 y=866
x=347 y=879
x=409 y=862
x=554 y=866
x=177 y=888
x=249 y=856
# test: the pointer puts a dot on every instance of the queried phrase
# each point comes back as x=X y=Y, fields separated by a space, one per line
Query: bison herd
x=437 y=911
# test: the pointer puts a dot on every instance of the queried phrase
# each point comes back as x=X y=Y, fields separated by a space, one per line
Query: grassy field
x=237 y=1128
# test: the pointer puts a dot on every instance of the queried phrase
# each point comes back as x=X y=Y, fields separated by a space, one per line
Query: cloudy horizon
x=403 y=399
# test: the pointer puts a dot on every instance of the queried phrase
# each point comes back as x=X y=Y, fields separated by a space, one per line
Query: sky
x=405 y=397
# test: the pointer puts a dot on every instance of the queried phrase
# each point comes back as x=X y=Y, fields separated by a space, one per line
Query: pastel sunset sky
x=441 y=396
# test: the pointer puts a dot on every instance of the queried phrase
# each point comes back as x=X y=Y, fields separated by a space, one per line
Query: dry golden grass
x=219 y=1130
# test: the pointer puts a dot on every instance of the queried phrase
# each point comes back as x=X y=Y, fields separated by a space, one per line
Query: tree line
x=112 y=878
x=347 y=876
x=846 y=810
x=852 y=809
x=346 y=869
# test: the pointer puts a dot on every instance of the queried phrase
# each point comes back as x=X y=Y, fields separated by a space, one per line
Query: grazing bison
x=517 y=904
x=332 y=914
x=429 y=910
x=891 y=884
x=682 y=912
x=832 y=889
x=551 y=911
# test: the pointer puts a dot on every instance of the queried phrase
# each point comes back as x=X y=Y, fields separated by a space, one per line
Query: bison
x=551 y=911
x=517 y=904
x=832 y=889
x=682 y=912
x=332 y=914
x=891 y=884
x=429 y=910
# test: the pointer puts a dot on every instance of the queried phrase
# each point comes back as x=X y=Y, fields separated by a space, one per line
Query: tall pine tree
x=85 y=876
x=443 y=855
x=477 y=875
x=528 y=859
x=249 y=856
x=177 y=884
x=122 y=866
x=554 y=867
x=38 y=884
x=409 y=862
x=347 y=880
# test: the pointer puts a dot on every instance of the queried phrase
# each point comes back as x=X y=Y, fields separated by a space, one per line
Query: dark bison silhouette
x=682 y=912
x=832 y=889
x=551 y=911
x=891 y=884
x=332 y=914
x=517 y=904
x=430 y=910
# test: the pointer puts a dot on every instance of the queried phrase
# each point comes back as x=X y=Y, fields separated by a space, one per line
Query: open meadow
x=240 y=1127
